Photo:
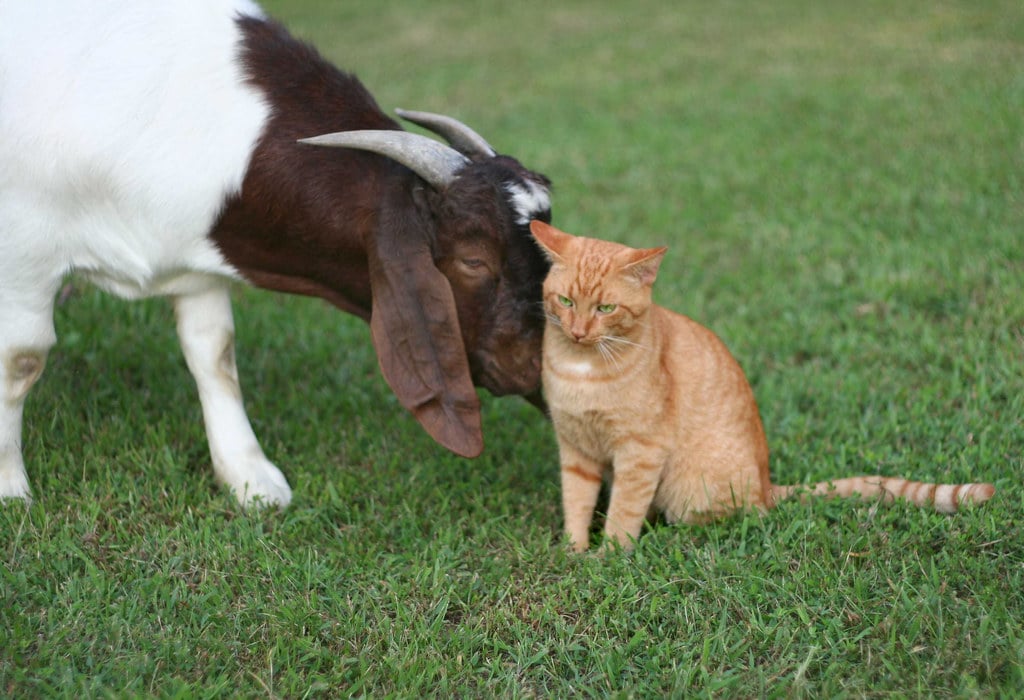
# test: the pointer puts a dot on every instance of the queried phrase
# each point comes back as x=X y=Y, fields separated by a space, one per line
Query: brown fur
x=658 y=401
x=447 y=278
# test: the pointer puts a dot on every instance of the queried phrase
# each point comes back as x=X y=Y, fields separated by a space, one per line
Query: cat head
x=596 y=291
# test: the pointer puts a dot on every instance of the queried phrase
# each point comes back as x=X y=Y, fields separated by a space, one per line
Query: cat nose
x=578 y=335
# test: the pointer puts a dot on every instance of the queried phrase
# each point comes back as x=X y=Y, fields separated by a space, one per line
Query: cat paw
x=612 y=547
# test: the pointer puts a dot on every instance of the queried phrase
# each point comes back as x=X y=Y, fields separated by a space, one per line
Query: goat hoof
x=267 y=494
x=260 y=485
x=277 y=497
x=14 y=486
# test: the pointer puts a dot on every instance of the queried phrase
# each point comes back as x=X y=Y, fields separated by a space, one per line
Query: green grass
x=841 y=188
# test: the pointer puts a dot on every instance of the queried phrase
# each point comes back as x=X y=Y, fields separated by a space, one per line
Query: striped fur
x=945 y=498
x=655 y=402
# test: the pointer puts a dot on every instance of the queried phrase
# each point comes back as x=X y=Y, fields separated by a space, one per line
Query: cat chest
x=594 y=432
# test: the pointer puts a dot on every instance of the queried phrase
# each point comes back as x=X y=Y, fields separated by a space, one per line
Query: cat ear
x=643 y=264
x=550 y=239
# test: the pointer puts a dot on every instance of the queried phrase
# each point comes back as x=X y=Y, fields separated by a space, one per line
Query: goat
x=174 y=149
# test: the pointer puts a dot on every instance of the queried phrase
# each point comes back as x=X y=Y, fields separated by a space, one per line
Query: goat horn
x=432 y=160
x=461 y=137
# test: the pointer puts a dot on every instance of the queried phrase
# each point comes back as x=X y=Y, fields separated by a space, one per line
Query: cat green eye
x=606 y=308
x=565 y=301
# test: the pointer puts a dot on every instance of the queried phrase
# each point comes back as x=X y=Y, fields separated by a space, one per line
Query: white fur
x=529 y=200
x=580 y=368
x=207 y=335
x=124 y=125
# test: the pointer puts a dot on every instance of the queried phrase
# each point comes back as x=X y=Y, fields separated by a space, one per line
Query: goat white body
x=124 y=127
x=120 y=141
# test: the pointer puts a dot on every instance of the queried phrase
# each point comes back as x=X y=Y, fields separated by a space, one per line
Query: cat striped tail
x=945 y=498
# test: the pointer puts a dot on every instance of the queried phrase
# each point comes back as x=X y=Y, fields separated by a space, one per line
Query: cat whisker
x=623 y=341
x=604 y=342
x=609 y=354
x=617 y=350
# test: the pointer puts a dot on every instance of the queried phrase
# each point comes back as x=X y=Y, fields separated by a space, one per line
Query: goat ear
x=550 y=239
x=415 y=330
x=643 y=264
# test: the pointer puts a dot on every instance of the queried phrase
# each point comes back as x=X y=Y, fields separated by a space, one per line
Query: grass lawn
x=842 y=189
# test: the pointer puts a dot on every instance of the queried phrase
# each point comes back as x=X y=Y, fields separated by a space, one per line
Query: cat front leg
x=636 y=475
x=581 y=484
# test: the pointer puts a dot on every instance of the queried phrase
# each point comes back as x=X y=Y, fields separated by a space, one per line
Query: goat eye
x=565 y=301
x=474 y=267
x=606 y=308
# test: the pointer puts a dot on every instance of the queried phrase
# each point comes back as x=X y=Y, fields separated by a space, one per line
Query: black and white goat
x=153 y=148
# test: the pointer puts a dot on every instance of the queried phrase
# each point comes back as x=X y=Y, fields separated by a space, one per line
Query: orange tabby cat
x=657 y=399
